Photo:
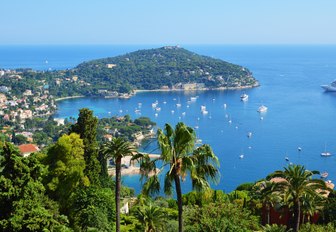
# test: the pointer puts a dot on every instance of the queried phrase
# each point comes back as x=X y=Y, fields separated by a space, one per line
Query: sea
x=299 y=124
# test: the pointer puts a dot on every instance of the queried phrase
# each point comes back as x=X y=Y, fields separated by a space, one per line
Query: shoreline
x=135 y=91
x=195 y=90
x=70 y=97
x=130 y=171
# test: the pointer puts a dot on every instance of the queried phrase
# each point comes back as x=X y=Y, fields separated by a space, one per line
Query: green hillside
x=162 y=67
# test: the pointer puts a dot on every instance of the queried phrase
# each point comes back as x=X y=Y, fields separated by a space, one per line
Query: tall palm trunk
x=117 y=192
x=297 y=212
x=268 y=213
x=179 y=201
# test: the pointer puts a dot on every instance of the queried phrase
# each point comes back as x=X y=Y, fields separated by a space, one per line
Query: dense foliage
x=24 y=205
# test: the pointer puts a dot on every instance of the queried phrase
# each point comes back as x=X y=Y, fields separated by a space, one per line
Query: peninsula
x=165 y=68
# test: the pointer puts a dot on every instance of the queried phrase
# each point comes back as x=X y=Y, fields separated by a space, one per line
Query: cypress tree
x=86 y=127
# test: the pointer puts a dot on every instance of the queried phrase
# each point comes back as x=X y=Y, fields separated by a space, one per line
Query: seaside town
x=26 y=116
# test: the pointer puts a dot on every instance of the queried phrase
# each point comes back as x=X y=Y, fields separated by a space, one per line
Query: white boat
x=193 y=98
x=244 y=97
x=249 y=134
x=205 y=112
x=262 y=109
x=158 y=109
x=154 y=105
x=203 y=108
x=184 y=113
x=137 y=111
x=325 y=153
x=286 y=158
x=331 y=87
x=178 y=105
x=156 y=114
x=299 y=149
x=241 y=156
x=324 y=174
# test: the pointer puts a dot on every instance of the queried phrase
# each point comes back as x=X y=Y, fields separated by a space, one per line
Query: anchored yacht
x=331 y=87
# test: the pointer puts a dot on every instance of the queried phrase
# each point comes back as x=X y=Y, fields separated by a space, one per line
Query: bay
x=300 y=113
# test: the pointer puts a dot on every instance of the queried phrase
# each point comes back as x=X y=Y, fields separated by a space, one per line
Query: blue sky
x=167 y=22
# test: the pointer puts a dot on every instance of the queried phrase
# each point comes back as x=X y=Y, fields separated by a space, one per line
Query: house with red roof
x=27 y=149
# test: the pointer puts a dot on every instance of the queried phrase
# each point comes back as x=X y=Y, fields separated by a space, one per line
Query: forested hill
x=162 y=68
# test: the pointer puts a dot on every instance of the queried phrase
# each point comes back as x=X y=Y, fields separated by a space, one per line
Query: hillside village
x=27 y=108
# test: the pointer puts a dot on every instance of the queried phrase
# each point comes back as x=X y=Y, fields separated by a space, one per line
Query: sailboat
x=325 y=153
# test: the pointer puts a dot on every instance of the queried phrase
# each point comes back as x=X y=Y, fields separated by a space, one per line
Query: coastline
x=135 y=91
x=129 y=171
x=194 y=90
x=70 y=97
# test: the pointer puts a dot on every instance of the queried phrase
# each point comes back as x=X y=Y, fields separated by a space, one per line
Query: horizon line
x=164 y=44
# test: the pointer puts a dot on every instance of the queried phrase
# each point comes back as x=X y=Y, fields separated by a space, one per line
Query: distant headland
x=169 y=68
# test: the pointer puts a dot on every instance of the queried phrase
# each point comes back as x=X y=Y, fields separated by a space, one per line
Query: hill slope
x=162 y=67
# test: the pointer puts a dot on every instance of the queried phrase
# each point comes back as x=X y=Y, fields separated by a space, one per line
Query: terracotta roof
x=28 y=148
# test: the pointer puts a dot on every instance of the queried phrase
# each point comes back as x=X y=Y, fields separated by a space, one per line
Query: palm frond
x=147 y=166
x=151 y=186
x=168 y=184
x=199 y=183
x=116 y=148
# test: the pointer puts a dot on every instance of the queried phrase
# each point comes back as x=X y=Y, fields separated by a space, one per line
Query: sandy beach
x=131 y=168
x=64 y=98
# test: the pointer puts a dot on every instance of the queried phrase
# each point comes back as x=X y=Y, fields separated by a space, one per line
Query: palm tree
x=294 y=184
x=179 y=154
x=116 y=149
x=267 y=192
x=151 y=217
x=311 y=204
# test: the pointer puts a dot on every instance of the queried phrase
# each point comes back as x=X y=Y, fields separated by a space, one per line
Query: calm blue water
x=299 y=112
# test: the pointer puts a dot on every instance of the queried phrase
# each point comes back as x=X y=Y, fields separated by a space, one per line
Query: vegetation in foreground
x=66 y=188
